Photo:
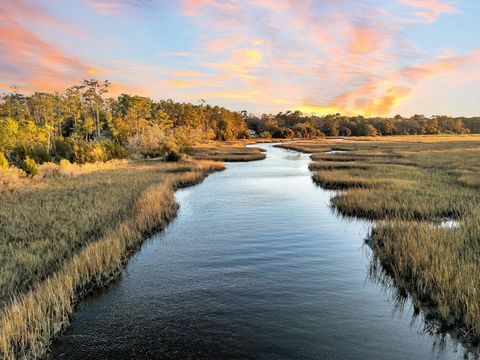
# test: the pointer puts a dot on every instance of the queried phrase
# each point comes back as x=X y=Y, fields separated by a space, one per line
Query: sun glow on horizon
x=365 y=57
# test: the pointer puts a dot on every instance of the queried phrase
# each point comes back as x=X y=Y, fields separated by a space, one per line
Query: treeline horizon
x=309 y=126
x=83 y=124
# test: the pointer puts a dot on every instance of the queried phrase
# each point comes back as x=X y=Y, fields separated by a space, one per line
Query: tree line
x=83 y=124
x=296 y=124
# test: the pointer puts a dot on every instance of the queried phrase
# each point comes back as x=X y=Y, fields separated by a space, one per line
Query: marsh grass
x=66 y=235
x=408 y=183
x=228 y=153
x=337 y=165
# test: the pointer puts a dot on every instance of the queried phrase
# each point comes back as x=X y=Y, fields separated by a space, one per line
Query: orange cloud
x=107 y=8
x=191 y=83
x=189 y=73
x=380 y=96
x=35 y=64
x=116 y=89
x=430 y=10
x=27 y=60
x=323 y=56
x=241 y=61
x=218 y=45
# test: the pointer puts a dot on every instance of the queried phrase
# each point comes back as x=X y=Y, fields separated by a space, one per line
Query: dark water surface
x=256 y=265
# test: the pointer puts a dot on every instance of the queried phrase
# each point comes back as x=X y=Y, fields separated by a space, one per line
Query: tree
x=93 y=92
x=44 y=108
x=88 y=127
x=369 y=130
x=73 y=106
x=138 y=112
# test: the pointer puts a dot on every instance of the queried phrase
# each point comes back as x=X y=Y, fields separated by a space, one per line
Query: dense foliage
x=297 y=124
x=83 y=125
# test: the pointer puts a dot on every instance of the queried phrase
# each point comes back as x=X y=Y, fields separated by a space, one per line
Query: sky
x=356 y=57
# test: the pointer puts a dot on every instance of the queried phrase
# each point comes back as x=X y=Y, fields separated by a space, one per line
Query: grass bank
x=227 y=153
x=410 y=185
x=232 y=151
x=70 y=231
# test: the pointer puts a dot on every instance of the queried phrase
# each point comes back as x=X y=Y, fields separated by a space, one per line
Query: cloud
x=219 y=45
x=241 y=61
x=34 y=64
x=332 y=55
x=315 y=55
x=126 y=7
x=430 y=10
x=380 y=96
x=28 y=60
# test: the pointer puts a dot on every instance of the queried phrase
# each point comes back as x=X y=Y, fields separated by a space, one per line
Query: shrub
x=265 y=135
x=171 y=151
x=173 y=155
x=17 y=155
x=244 y=134
x=3 y=161
x=88 y=152
x=96 y=152
x=287 y=133
x=114 y=150
x=11 y=178
x=48 y=170
x=64 y=149
x=30 y=166
x=39 y=154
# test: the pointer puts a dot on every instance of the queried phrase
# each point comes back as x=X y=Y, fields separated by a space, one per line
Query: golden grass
x=226 y=152
x=72 y=234
x=410 y=183
x=12 y=178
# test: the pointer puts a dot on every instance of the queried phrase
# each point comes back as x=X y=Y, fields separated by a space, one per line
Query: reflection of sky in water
x=256 y=265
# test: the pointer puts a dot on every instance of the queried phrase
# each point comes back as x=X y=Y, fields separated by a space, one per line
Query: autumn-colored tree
x=93 y=92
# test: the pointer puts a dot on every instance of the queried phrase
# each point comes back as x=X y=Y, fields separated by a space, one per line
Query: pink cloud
x=430 y=10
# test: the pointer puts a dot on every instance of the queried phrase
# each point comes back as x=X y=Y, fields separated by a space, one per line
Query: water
x=256 y=265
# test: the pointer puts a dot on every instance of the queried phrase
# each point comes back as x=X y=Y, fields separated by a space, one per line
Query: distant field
x=413 y=184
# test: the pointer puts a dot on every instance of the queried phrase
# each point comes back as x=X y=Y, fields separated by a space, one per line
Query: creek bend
x=256 y=265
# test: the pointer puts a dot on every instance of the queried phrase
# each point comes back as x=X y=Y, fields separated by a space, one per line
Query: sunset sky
x=366 y=57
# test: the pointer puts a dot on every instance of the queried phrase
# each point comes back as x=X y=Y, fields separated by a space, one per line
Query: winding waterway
x=256 y=265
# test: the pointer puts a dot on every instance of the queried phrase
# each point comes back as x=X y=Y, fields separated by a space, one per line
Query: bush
x=39 y=154
x=244 y=134
x=173 y=156
x=114 y=150
x=88 y=152
x=18 y=155
x=265 y=135
x=171 y=151
x=48 y=170
x=3 y=161
x=287 y=133
x=64 y=149
x=30 y=166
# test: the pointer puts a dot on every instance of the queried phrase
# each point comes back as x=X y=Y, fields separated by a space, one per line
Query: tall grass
x=69 y=235
x=411 y=184
x=227 y=153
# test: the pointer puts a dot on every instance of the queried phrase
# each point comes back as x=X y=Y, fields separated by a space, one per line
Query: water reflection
x=256 y=266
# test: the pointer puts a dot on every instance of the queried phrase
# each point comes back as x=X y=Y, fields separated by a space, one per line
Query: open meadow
x=424 y=192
